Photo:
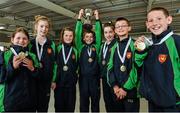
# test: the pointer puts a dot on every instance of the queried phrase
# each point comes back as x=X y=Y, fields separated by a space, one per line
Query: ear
x=129 y=28
x=147 y=25
x=12 y=39
x=169 y=19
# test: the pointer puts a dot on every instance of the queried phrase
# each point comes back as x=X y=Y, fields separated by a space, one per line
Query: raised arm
x=78 y=30
x=98 y=30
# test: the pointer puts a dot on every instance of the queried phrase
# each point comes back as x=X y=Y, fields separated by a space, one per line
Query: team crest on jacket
x=128 y=55
x=162 y=58
x=49 y=50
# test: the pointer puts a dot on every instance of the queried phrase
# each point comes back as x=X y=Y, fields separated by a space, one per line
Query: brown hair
x=40 y=17
x=62 y=34
x=122 y=18
x=87 y=32
x=109 y=24
x=20 y=29
x=165 y=11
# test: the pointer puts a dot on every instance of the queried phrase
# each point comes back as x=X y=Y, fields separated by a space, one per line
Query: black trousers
x=65 y=99
x=128 y=105
x=89 y=89
x=43 y=96
x=109 y=97
x=155 y=108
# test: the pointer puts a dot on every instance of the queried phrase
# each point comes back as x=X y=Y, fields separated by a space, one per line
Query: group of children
x=30 y=68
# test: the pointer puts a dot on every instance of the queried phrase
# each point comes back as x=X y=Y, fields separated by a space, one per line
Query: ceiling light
x=2 y=27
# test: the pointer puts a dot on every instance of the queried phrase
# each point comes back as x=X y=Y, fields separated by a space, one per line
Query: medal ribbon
x=89 y=51
x=162 y=40
x=64 y=56
x=15 y=53
x=125 y=51
x=105 y=48
x=39 y=53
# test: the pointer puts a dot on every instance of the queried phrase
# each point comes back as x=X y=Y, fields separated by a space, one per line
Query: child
x=160 y=80
x=2 y=86
x=45 y=51
x=65 y=92
x=89 y=79
x=121 y=68
x=21 y=68
x=105 y=51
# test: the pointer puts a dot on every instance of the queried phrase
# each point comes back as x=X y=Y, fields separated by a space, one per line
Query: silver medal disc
x=65 y=68
x=123 y=68
x=103 y=62
x=90 y=60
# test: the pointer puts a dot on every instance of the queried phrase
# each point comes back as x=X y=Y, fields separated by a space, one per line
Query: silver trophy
x=87 y=21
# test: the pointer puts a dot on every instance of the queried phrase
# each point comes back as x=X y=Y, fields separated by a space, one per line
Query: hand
x=53 y=85
x=116 y=89
x=28 y=63
x=139 y=41
x=81 y=12
x=96 y=14
x=121 y=93
x=16 y=61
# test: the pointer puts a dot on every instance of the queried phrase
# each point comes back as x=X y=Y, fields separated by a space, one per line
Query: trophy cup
x=87 y=22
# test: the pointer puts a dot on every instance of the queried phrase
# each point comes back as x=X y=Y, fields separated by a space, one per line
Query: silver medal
x=65 y=68
x=90 y=60
x=123 y=68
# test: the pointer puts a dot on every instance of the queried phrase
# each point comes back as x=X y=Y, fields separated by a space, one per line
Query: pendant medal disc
x=90 y=60
x=65 y=68
x=123 y=68
x=103 y=62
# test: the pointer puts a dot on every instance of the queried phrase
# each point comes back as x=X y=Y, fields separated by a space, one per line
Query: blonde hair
x=38 y=18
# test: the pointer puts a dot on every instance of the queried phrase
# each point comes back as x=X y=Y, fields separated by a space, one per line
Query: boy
x=89 y=79
x=121 y=68
x=160 y=79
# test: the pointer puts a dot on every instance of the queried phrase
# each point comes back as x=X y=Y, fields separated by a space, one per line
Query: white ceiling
x=64 y=12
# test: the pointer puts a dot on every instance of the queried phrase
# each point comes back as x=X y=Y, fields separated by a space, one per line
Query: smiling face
x=108 y=33
x=68 y=37
x=20 y=39
x=42 y=28
x=122 y=28
x=157 y=22
x=88 y=38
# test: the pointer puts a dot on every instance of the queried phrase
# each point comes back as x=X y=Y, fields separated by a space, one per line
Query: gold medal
x=103 y=62
x=90 y=60
x=65 y=68
x=123 y=68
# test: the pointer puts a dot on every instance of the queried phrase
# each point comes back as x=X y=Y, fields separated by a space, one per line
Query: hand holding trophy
x=88 y=13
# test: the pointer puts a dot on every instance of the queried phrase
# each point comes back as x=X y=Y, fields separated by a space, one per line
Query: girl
x=65 y=92
x=21 y=68
x=105 y=51
x=45 y=51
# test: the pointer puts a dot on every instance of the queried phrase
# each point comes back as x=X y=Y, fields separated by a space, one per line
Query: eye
x=159 y=18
